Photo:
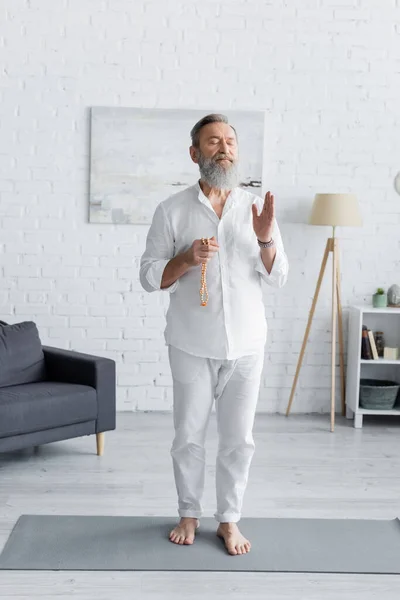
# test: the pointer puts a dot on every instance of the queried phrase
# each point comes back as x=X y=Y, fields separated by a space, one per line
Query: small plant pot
x=379 y=300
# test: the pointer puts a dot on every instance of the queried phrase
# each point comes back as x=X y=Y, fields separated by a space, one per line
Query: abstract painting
x=139 y=157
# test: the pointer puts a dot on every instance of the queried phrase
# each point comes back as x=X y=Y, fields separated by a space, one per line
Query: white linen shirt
x=233 y=324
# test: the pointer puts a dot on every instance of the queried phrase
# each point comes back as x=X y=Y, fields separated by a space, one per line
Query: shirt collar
x=231 y=200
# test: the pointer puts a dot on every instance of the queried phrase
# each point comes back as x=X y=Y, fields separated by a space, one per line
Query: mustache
x=221 y=156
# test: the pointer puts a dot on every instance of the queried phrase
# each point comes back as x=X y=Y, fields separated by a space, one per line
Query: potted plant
x=379 y=299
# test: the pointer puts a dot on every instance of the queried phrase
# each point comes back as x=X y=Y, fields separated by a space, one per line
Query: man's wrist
x=187 y=258
x=269 y=243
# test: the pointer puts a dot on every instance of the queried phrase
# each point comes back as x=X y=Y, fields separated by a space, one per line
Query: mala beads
x=203 y=282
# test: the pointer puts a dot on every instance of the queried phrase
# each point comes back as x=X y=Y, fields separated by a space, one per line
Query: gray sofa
x=50 y=394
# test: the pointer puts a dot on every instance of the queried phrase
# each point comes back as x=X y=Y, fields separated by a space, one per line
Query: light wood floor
x=300 y=469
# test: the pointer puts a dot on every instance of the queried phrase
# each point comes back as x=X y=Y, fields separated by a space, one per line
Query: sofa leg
x=100 y=443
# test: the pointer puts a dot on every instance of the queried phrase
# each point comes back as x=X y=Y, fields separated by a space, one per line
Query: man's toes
x=189 y=540
x=231 y=549
x=174 y=537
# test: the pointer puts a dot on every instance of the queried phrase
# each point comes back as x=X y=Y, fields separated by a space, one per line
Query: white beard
x=217 y=176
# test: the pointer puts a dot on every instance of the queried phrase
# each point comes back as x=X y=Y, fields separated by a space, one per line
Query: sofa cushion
x=44 y=405
x=21 y=354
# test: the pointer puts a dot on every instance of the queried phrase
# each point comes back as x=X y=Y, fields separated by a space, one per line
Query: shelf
x=372 y=310
x=377 y=319
x=380 y=361
x=372 y=411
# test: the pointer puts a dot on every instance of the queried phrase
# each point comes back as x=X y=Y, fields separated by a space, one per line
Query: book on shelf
x=366 y=350
x=369 y=350
x=373 y=345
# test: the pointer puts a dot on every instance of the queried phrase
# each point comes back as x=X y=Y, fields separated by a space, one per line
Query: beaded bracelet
x=266 y=244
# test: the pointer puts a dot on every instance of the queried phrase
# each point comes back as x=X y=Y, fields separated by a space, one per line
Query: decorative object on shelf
x=379 y=299
x=379 y=342
x=393 y=296
x=378 y=394
x=397 y=183
x=391 y=353
x=332 y=210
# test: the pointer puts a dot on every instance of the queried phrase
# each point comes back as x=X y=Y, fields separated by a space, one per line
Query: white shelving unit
x=386 y=320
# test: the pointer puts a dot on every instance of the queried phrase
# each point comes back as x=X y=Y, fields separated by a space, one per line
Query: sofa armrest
x=70 y=366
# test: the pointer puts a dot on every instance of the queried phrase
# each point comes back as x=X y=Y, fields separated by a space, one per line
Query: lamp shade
x=335 y=210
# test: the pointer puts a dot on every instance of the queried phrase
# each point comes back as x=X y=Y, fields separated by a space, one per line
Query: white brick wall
x=327 y=72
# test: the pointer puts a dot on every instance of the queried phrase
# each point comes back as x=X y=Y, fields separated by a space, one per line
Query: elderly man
x=218 y=240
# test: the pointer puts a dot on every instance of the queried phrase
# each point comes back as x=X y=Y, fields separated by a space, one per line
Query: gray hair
x=214 y=118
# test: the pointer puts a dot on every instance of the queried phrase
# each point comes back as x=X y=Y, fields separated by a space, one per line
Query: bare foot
x=235 y=542
x=185 y=531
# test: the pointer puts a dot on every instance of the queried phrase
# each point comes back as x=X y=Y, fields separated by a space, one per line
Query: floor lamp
x=333 y=210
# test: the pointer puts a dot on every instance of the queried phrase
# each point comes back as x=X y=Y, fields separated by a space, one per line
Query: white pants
x=234 y=384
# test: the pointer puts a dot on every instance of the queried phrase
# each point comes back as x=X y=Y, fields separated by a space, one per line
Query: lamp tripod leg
x=307 y=332
x=340 y=326
x=334 y=316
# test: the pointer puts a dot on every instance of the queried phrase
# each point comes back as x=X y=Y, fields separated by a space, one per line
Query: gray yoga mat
x=47 y=542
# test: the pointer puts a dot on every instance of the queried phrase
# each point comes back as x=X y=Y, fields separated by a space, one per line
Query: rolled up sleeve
x=280 y=268
x=159 y=251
